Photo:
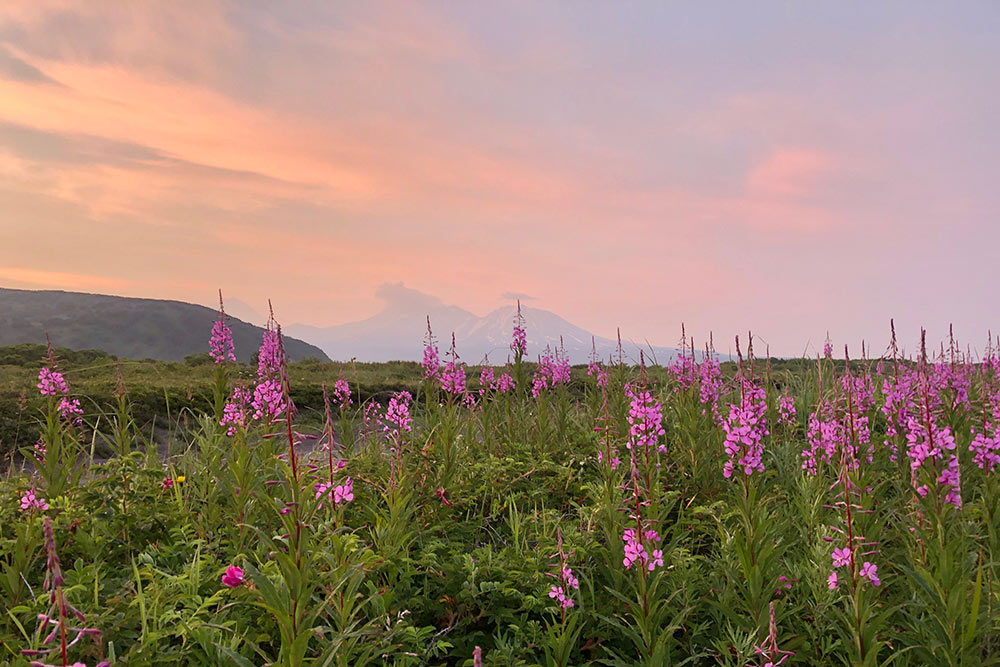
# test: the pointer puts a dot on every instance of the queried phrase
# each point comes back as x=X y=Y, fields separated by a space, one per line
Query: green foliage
x=151 y=501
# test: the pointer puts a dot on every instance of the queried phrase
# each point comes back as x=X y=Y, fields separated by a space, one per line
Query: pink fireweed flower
x=39 y=448
x=167 y=483
x=841 y=557
x=31 y=502
x=519 y=344
x=453 y=377
x=51 y=383
x=786 y=410
x=270 y=358
x=234 y=414
x=60 y=612
x=985 y=448
x=338 y=495
x=950 y=479
x=710 y=381
x=268 y=400
x=553 y=369
x=443 y=497
x=342 y=393
x=745 y=431
x=220 y=345
x=645 y=419
x=768 y=649
x=397 y=418
x=635 y=549
x=486 y=376
x=870 y=571
x=828 y=347
x=503 y=384
x=70 y=410
x=559 y=594
x=431 y=363
x=233 y=577
x=831 y=581
x=567 y=580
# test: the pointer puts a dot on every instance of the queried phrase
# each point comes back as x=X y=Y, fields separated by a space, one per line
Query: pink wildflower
x=51 y=383
x=221 y=343
x=32 y=502
x=233 y=577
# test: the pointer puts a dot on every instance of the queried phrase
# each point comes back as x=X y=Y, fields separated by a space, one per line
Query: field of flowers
x=523 y=514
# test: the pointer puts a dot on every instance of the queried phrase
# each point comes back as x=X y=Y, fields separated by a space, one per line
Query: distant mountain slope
x=124 y=326
x=397 y=333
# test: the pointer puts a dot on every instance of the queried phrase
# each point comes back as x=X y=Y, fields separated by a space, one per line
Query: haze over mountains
x=125 y=326
x=171 y=330
x=397 y=332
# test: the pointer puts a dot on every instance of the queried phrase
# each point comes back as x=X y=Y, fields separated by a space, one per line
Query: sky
x=783 y=167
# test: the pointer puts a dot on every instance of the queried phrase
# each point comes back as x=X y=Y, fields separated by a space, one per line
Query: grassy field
x=782 y=512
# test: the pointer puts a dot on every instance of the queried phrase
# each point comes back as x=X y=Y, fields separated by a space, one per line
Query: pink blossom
x=220 y=345
x=268 y=400
x=342 y=393
x=51 y=383
x=841 y=557
x=519 y=345
x=870 y=571
x=831 y=581
x=31 y=502
x=233 y=577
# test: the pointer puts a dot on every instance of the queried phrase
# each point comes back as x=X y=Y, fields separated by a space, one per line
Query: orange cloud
x=61 y=280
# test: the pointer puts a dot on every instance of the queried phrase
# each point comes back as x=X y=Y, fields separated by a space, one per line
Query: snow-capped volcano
x=398 y=332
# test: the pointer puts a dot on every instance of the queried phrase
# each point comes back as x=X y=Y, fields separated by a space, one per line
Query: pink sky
x=790 y=169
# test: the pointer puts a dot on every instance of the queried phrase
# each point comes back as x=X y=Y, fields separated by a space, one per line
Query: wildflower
x=233 y=577
x=443 y=498
x=180 y=479
x=221 y=343
x=453 y=377
x=831 y=581
x=559 y=594
x=870 y=571
x=769 y=648
x=342 y=393
x=60 y=610
x=431 y=363
x=167 y=483
x=269 y=357
x=986 y=450
x=397 y=415
x=645 y=419
x=567 y=580
x=519 y=345
x=31 y=502
x=745 y=430
x=268 y=400
x=234 y=414
x=635 y=550
x=503 y=384
x=786 y=410
x=339 y=494
x=51 y=383
x=70 y=410
x=841 y=557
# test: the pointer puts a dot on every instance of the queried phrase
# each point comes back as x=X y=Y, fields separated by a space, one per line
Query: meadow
x=756 y=512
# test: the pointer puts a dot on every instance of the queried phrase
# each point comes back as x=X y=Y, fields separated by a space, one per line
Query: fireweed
x=362 y=556
x=60 y=613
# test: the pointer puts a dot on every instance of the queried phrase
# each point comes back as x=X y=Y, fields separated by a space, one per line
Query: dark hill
x=125 y=326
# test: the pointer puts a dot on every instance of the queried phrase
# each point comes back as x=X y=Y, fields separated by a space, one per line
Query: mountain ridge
x=132 y=327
